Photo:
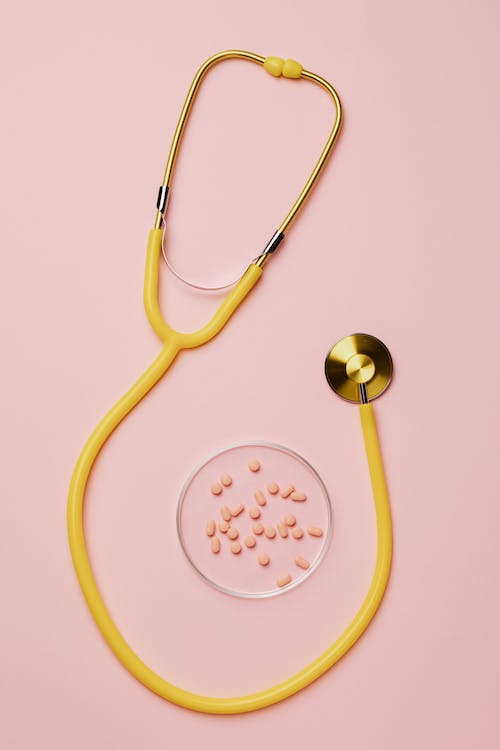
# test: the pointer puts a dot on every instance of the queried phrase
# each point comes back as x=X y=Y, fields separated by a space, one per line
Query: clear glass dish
x=242 y=574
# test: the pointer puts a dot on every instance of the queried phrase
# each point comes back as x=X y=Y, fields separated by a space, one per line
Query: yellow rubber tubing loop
x=174 y=343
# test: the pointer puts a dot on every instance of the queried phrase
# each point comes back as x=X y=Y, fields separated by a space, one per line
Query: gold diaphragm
x=356 y=361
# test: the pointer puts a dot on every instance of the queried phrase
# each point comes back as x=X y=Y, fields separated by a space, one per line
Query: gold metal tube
x=242 y=54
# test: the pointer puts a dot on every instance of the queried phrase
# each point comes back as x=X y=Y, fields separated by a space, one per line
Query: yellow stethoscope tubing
x=174 y=342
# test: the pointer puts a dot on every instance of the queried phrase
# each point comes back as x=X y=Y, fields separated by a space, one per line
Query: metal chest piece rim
x=359 y=368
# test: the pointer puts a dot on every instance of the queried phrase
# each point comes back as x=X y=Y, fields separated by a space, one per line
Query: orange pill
x=290 y=520
x=287 y=491
x=250 y=541
x=215 y=545
x=210 y=528
x=235 y=548
x=259 y=496
x=282 y=530
x=273 y=488
x=226 y=480
x=254 y=513
x=264 y=559
x=302 y=562
x=297 y=532
x=233 y=533
x=216 y=489
x=236 y=511
x=314 y=531
x=270 y=532
x=258 y=528
x=224 y=527
x=254 y=465
x=284 y=580
x=299 y=497
x=225 y=513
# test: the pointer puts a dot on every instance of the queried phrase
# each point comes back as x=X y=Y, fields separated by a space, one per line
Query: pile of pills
x=269 y=517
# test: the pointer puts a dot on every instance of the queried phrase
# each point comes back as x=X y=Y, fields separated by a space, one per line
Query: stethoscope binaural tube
x=174 y=342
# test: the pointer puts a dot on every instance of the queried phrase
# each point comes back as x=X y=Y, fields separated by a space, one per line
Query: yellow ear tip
x=274 y=65
x=292 y=69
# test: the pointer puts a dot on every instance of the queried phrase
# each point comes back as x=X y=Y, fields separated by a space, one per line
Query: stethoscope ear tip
x=358 y=367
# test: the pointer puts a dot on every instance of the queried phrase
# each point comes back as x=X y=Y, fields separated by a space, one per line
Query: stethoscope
x=358 y=368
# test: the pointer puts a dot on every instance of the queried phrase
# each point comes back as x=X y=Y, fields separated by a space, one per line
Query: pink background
x=400 y=240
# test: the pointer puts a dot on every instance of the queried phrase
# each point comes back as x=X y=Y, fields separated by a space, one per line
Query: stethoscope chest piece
x=358 y=367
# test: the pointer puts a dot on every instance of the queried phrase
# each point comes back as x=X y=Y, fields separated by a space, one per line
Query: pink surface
x=399 y=240
x=242 y=574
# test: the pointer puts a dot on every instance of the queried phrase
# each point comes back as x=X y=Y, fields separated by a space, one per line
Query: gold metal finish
x=242 y=54
x=356 y=359
x=360 y=368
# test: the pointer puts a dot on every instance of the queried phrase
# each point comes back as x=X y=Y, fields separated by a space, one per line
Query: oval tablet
x=254 y=513
x=235 y=548
x=270 y=532
x=299 y=497
x=273 y=488
x=226 y=480
x=302 y=562
x=224 y=527
x=263 y=559
x=259 y=496
x=254 y=465
x=215 y=545
x=236 y=511
x=233 y=533
x=216 y=489
x=282 y=530
x=250 y=541
x=210 y=528
x=287 y=491
x=290 y=520
x=297 y=532
x=284 y=580
x=258 y=528
x=225 y=513
x=314 y=531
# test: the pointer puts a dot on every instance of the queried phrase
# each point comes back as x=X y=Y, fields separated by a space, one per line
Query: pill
x=216 y=489
x=290 y=520
x=270 y=532
x=315 y=531
x=302 y=562
x=254 y=465
x=233 y=533
x=210 y=528
x=226 y=480
x=250 y=541
x=224 y=527
x=239 y=509
x=225 y=513
x=297 y=532
x=215 y=545
x=288 y=491
x=273 y=488
x=284 y=580
x=235 y=548
x=254 y=513
x=299 y=497
x=258 y=528
x=282 y=530
x=264 y=559
x=259 y=496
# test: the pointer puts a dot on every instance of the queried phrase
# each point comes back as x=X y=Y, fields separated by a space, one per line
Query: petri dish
x=241 y=573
